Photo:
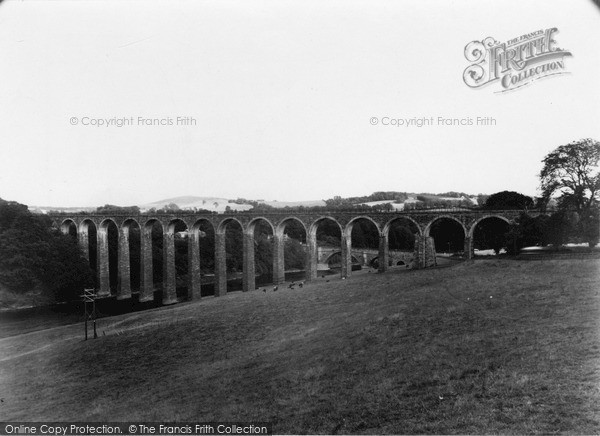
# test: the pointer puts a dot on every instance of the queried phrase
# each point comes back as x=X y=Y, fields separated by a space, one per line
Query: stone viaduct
x=310 y=220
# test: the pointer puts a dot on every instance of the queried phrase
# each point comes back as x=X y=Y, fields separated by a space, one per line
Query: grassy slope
x=419 y=352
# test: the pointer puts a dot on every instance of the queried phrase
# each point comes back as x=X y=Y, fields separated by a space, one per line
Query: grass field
x=493 y=346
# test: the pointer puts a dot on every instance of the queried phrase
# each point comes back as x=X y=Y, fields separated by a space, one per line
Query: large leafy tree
x=571 y=174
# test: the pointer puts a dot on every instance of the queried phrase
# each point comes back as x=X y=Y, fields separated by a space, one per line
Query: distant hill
x=396 y=206
x=208 y=203
x=213 y=204
x=399 y=201
x=282 y=204
x=46 y=209
x=412 y=199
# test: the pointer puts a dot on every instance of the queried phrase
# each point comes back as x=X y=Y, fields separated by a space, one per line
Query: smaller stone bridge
x=365 y=256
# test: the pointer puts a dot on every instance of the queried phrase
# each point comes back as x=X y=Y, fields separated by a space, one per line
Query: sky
x=278 y=99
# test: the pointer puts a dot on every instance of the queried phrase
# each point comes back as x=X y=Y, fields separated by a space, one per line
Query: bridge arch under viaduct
x=83 y=224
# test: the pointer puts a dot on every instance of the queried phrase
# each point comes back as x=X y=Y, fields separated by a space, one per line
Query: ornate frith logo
x=515 y=63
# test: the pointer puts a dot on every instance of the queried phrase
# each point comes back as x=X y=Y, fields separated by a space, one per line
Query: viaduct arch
x=277 y=221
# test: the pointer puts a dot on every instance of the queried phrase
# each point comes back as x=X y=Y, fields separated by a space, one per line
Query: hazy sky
x=282 y=93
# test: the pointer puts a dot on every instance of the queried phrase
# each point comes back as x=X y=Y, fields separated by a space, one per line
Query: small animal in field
x=275 y=288
x=301 y=284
